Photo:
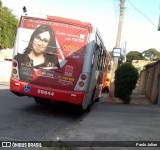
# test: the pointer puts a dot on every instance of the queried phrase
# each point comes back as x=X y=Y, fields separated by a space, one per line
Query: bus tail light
x=83 y=76
x=14 y=64
x=81 y=84
x=14 y=71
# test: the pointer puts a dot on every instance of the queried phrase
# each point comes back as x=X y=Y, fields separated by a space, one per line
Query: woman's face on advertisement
x=40 y=42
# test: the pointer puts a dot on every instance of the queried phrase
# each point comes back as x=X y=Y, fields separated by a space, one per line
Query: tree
x=151 y=54
x=134 y=55
x=121 y=59
x=8 y=27
x=126 y=77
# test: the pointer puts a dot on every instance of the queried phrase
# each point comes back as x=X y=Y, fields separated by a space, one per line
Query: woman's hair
x=50 y=53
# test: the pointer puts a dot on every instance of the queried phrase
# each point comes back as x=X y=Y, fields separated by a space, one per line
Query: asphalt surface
x=23 y=119
x=113 y=121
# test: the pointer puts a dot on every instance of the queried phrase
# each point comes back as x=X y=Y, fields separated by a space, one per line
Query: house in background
x=149 y=82
x=139 y=64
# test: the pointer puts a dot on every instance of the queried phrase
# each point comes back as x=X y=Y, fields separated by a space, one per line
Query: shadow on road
x=54 y=109
x=28 y=106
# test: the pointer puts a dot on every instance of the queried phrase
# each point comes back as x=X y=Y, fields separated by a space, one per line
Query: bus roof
x=58 y=19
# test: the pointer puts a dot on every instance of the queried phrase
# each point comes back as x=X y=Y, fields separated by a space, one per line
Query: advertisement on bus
x=49 y=52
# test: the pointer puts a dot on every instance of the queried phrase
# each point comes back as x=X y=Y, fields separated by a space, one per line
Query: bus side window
x=102 y=58
x=93 y=57
x=104 y=61
x=109 y=67
x=92 y=61
x=98 y=58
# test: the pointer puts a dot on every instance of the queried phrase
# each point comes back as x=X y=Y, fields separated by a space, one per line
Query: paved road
x=22 y=119
x=114 y=121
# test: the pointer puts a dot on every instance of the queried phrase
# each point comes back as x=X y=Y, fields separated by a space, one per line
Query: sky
x=139 y=30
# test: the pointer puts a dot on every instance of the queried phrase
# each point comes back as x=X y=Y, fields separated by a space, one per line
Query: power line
x=142 y=14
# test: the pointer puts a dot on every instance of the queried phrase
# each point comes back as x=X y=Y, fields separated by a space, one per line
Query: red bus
x=58 y=59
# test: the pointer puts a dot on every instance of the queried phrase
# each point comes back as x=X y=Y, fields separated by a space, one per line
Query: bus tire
x=97 y=99
x=80 y=110
x=88 y=109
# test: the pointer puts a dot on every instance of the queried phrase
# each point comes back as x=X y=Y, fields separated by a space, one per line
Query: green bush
x=126 y=77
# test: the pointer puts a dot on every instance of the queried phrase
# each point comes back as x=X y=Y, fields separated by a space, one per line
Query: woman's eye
x=45 y=40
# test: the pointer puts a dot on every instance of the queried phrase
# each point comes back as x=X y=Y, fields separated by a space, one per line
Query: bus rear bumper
x=26 y=89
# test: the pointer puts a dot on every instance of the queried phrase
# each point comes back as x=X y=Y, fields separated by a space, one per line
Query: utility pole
x=159 y=24
x=125 y=51
x=115 y=59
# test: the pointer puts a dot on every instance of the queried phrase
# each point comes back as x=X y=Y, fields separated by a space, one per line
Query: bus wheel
x=80 y=110
x=88 y=109
x=41 y=100
x=97 y=99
